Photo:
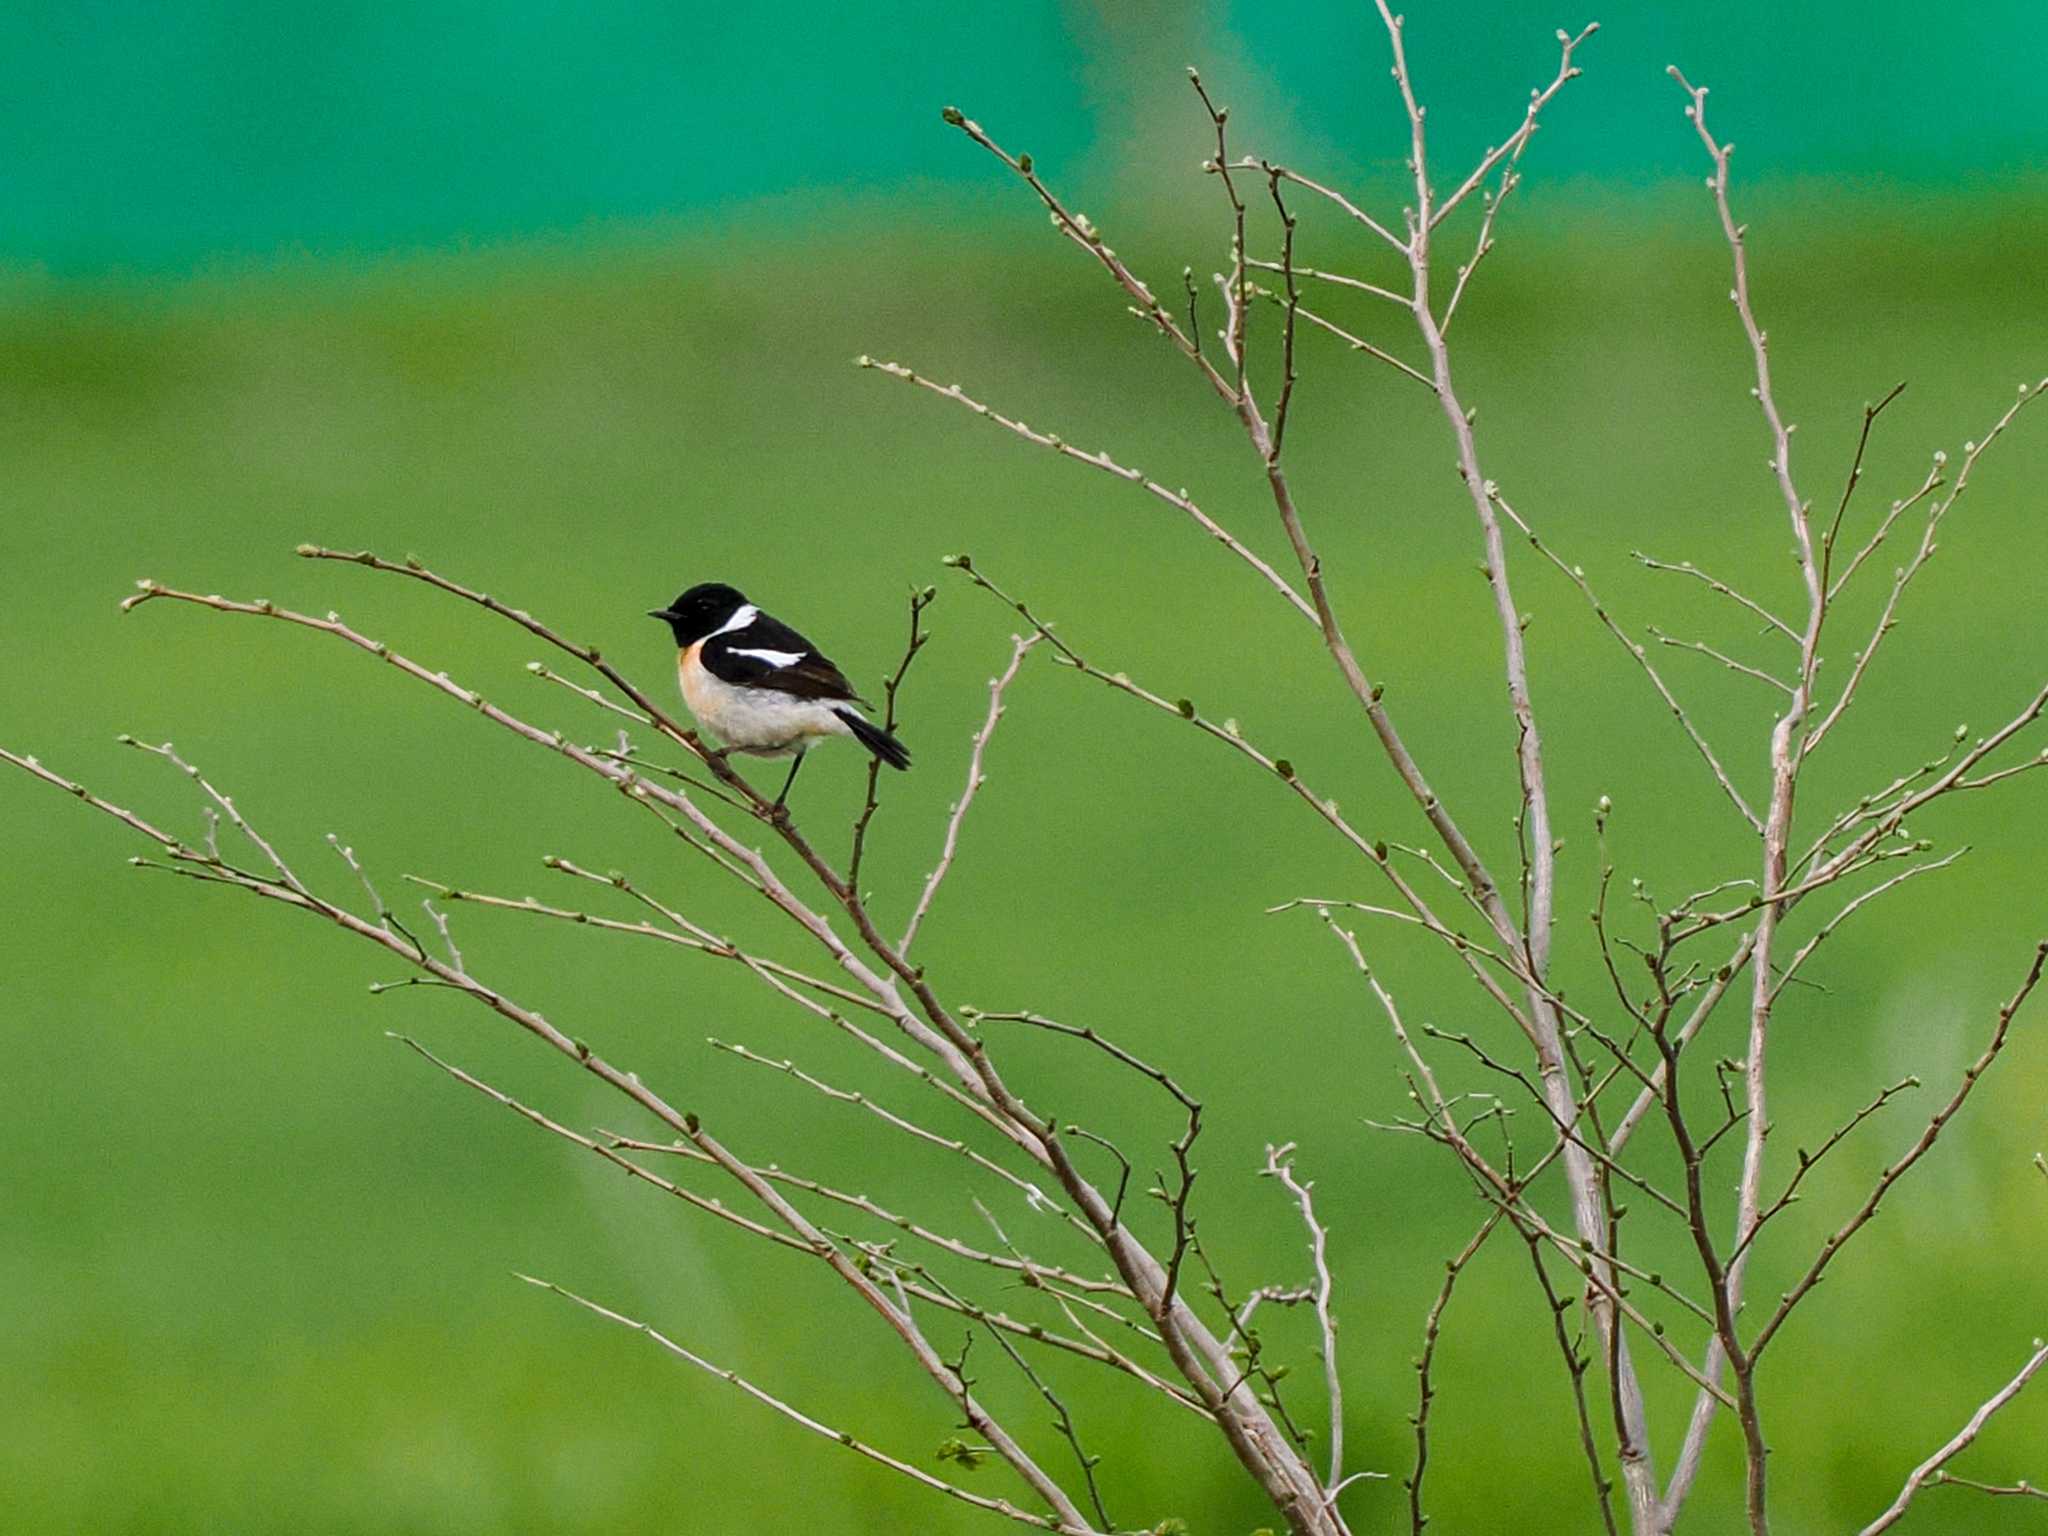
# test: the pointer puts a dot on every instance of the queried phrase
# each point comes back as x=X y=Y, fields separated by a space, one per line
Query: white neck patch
x=742 y=616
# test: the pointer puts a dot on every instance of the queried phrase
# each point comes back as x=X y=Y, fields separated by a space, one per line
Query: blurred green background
x=563 y=299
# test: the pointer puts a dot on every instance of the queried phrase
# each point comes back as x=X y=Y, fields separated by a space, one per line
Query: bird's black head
x=700 y=611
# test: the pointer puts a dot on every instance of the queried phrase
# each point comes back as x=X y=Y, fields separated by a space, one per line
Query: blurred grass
x=257 y=1260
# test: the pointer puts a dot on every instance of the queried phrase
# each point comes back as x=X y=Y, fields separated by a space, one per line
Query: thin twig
x=1355 y=342
x=1318 y=275
x=1575 y=1366
x=1288 y=376
x=1808 y=1161
x=1020 y=647
x=1713 y=653
x=1034 y=1272
x=1034 y=1196
x=2019 y=1490
x=892 y=686
x=1280 y=1165
x=1853 y=480
x=1432 y=1329
x=1687 y=568
x=1577 y=577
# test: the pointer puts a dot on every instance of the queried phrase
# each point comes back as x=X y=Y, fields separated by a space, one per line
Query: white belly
x=758 y=721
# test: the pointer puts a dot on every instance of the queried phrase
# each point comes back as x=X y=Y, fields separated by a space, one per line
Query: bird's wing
x=769 y=654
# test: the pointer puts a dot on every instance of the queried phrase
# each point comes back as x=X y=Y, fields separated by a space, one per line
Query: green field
x=256 y=1261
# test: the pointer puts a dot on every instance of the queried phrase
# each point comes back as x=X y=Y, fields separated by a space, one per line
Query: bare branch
x=1034 y=1197
x=1355 y=342
x=593 y=695
x=1078 y=229
x=1498 y=1189
x=606 y=1151
x=1972 y=1075
x=1889 y=617
x=627 y=1083
x=228 y=809
x=1575 y=1366
x=1532 y=937
x=1969 y=1432
x=1281 y=768
x=1179 y=500
x=796 y=1416
x=1759 y=343
x=1820 y=936
x=1934 y=481
x=1107 y=1046
x=1033 y=1271
x=1432 y=1328
x=1808 y=1161
x=2019 y=1490
x=1511 y=151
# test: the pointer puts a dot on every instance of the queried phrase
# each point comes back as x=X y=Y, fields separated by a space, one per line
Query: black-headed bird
x=759 y=686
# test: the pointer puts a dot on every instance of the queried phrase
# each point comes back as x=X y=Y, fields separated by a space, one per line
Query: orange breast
x=690 y=671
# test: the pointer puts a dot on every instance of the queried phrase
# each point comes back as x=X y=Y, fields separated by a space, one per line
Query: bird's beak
x=660 y=613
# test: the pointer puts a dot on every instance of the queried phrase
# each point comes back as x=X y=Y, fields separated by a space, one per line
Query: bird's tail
x=875 y=739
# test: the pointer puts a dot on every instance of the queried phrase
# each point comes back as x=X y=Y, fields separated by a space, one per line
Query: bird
x=761 y=687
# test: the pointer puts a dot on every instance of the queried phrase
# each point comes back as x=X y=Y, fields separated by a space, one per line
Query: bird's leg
x=784 y=793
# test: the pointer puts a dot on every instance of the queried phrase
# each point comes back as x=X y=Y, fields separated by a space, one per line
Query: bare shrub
x=1624 y=1081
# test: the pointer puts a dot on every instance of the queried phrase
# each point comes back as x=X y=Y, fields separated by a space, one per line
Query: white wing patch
x=773 y=658
x=742 y=616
